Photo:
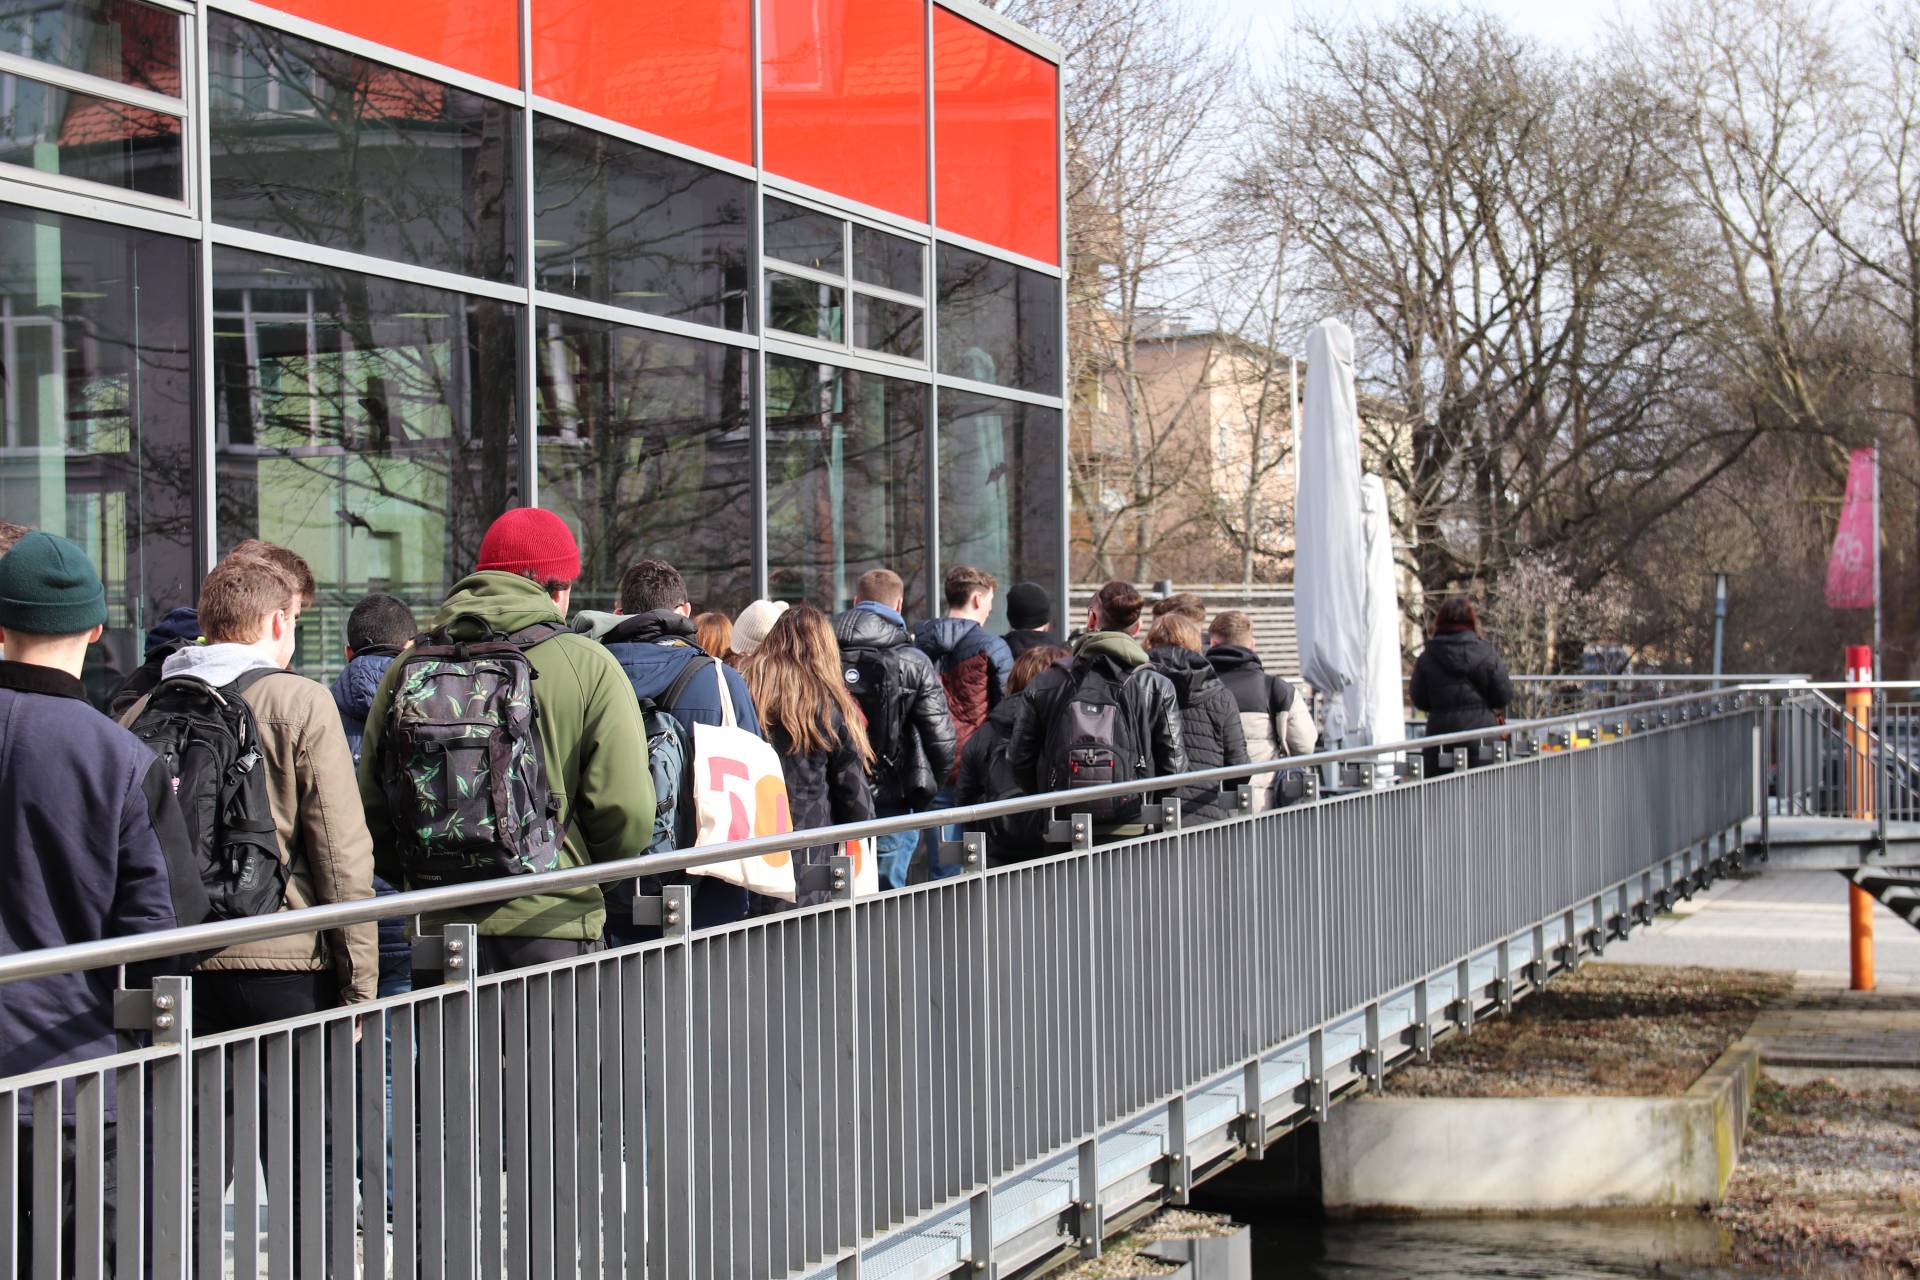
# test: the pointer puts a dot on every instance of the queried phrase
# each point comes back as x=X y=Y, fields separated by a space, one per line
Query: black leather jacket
x=926 y=758
x=1145 y=695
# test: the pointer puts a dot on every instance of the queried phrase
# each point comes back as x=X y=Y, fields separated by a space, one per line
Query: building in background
x=355 y=277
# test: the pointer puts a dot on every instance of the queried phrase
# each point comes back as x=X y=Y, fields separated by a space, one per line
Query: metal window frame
x=192 y=218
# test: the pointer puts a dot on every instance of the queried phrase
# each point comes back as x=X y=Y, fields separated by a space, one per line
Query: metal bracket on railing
x=1076 y=829
x=1499 y=752
x=1085 y=1222
x=1422 y=1021
x=159 y=1010
x=1413 y=768
x=1243 y=796
x=1560 y=740
x=1666 y=718
x=969 y=851
x=1316 y=1082
x=841 y=885
x=1356 y=775
x=1525 y=745
x=1461 y=756
x=671 y=911
x=1639 y=724
x=1162 y=815
x=1253 y=1121
x=447 y=958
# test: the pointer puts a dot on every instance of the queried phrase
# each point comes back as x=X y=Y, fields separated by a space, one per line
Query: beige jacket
x=316 y=807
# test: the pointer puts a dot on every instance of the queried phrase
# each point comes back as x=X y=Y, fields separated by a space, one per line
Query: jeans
x=934 y=836
x=893 y=857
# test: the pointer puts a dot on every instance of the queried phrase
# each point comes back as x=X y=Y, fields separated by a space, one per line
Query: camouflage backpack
x=462 y=765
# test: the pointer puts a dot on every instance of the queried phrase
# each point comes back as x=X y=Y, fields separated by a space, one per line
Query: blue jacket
x=353 y=691
x=653 y=648
x=92 y=846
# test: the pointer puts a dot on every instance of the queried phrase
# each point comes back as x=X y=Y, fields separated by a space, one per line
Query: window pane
x=369 y=424
x=1000 y=492
x=646 y=450
x=326 y=148
x=80 y=136
x=889 y=261
x=803 y=237
x=119 y=40
x=998 y=323
x=805 y=307
x=846 y=481
x=633 y=227
x=892 y=327
x=97 y=325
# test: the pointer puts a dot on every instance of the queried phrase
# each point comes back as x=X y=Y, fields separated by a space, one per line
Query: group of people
x=508 y=733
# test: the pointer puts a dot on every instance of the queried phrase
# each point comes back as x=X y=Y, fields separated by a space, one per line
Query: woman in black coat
x=811 y=720
x=1209 y=713
x=1459 y=680
x=986 y=774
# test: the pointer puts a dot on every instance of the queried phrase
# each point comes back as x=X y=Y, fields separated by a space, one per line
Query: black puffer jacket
x=1210 y=725
x=824 y=789
x=1460 y=681
x=925 y=760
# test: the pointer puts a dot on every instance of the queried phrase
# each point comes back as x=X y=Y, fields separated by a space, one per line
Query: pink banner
x=1850 y=570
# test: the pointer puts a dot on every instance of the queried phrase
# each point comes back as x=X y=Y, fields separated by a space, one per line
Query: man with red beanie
x=590 y=730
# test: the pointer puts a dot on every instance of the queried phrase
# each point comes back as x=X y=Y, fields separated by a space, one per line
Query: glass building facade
x=357 y=277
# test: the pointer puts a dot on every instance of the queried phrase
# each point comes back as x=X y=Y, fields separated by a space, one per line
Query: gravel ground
x=1609 y=1030
x=1829 y=1180
x=1122 y=1256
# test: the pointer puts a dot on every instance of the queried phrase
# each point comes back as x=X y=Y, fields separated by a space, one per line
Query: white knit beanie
x=751 y=627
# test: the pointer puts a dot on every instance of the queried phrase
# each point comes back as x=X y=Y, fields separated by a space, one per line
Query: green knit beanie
x=48 y=587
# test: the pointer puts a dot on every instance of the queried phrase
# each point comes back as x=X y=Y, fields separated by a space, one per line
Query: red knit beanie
x=531 y=541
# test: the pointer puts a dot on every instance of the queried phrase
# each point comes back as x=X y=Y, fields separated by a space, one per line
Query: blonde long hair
x=794 y=677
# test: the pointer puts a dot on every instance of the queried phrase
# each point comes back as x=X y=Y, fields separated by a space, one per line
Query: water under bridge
x=972 y=1076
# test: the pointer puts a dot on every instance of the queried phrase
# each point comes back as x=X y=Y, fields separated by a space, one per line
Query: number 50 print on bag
x=740 y=791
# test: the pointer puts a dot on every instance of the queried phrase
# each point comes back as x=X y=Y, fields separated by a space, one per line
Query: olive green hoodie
x=596 y=753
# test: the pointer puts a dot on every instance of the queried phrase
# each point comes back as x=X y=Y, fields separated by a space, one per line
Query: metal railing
x=795 y=1094
x=1829 y=761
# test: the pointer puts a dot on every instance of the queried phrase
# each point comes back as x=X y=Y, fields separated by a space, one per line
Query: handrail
x=219 y=935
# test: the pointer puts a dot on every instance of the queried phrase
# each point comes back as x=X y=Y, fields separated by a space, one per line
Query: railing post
x=459 y=1019
x=1253 y=1117
x=1423 y=1021
x=1088 y=1218
x=985 y=1055
x=172 y=1093
x=1317 y=1075
x=1376 y=1056
x=1503 y=988
x=1463 y=996
x=1542 y=966
x=847 y=1116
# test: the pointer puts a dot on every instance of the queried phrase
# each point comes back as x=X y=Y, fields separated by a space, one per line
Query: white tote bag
x=740 y=791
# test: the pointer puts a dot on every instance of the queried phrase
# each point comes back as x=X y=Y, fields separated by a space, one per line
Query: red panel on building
x=843 y=98
x=995 y=139
x=680 y=68
x=479 y=37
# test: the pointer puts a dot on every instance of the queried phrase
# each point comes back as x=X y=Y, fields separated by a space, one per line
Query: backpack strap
x=249 y=678
x=688 y=670
x=527 y=637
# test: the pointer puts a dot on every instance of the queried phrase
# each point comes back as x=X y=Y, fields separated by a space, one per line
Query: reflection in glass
x=120 y=40
x=95 y=323
x=646 y=450
x=803 y=237
x=637 y=228
x=367 y=423
x=330 y=149
x=1000 y=491
x=805 y=307
x=998 y=323
x=846 y=481
x=78 y=135
x=880 y=324
x=888 y=261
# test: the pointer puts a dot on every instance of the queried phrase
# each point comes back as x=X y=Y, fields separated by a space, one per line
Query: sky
x=1572 y=24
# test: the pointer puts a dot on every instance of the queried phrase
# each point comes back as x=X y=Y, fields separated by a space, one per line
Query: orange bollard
x=1860 y=758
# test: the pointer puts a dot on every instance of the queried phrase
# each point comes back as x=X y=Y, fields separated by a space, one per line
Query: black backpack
x=209 y=744
x=1090 y=742
x=874 y=681
x=462 y=764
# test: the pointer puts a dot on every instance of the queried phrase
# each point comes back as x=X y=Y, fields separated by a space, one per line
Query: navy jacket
x=92 y=846
x=353 y=691
x=652 y=648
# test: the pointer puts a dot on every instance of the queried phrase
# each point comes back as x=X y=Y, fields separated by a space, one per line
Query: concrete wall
x=1516 y=1155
